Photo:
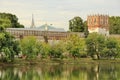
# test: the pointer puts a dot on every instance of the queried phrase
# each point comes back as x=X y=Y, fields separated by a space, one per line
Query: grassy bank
x=63 y=61
x=58 y=61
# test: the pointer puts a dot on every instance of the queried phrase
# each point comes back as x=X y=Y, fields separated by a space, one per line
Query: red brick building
x=98 y=23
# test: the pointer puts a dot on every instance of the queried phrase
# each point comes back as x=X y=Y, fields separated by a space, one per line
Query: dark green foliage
x=30 y=47
x=56 y=50
x=8 y=20
x=102 y=46
x=111 y=48
x=45 y=39
x=114 y=24
x=75 y=46
x=75 y=52
x=95 y=44
x=9 y=47
x=2 y=29
x=76 y=24
x=86 y=32
x=44 y=49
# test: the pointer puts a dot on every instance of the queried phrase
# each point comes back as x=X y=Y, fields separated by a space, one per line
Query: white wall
x=99 y=30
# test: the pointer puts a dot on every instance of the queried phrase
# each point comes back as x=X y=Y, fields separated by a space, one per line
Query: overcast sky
x=58 y=12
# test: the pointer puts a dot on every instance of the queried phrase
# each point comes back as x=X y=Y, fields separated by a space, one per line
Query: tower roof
x=32 y=23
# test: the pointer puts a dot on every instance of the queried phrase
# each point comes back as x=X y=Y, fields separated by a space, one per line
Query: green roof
x=50 y=28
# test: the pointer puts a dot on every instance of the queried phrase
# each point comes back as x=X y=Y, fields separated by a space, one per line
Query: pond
x=85 y=71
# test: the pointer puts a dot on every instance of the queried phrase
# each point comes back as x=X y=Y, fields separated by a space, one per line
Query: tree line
x=8 y=20
x=78 y=25
x=96 y=46
x=99 y=47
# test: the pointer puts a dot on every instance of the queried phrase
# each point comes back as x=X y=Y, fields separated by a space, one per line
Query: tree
x=95 y=44
x=55 y=51
x=9 y=47
x=111 y=51
x=86 y=32
x=45 y=39
x=30 y=47
x=102 y=47
x=118 y=47
x=76 y=24
x=75 y=46
x=114 y=24
x=45 y=49
x=8 y=20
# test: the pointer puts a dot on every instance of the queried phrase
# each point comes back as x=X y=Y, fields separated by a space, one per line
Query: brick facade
x=98 y=23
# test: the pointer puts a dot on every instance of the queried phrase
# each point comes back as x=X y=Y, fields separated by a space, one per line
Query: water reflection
x=62 y=72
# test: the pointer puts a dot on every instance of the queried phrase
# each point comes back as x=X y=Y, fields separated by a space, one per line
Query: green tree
x=95 y=44
x=111 y=51
x=75 y=46
x=8 y=20
x=45 y=49
x=118 y=47
x=9 y=47
x=86 y=32
x=76 y=24
x=114 y=24
x=57 y=50
x=30 y=47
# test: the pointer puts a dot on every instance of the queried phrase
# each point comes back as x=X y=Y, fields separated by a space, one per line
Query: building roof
x=50 y=28
x=44 y=27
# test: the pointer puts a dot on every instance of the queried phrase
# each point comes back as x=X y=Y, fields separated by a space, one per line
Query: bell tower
x=98 y=23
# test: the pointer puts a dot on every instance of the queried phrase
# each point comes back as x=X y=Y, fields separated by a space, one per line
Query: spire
x=32 y=23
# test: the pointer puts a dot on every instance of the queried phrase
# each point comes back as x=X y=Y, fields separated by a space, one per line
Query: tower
x=32 y=23
x=98 y=23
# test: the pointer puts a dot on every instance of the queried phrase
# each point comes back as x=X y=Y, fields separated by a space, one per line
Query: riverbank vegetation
x=9 y=47
x=95 y=46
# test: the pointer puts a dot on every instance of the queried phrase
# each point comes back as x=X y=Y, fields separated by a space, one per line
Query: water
x=61 y=72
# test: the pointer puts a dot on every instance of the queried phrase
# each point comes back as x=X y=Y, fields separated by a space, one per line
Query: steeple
x=32 y=23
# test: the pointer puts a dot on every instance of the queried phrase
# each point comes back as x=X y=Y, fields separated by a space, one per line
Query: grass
x=59 y=61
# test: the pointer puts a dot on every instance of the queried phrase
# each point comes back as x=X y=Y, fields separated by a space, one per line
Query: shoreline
x=19 y=62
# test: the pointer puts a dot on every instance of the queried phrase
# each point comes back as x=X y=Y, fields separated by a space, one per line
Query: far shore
x=22 y=62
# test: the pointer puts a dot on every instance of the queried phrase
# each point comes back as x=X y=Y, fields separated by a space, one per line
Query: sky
x=58 y=12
